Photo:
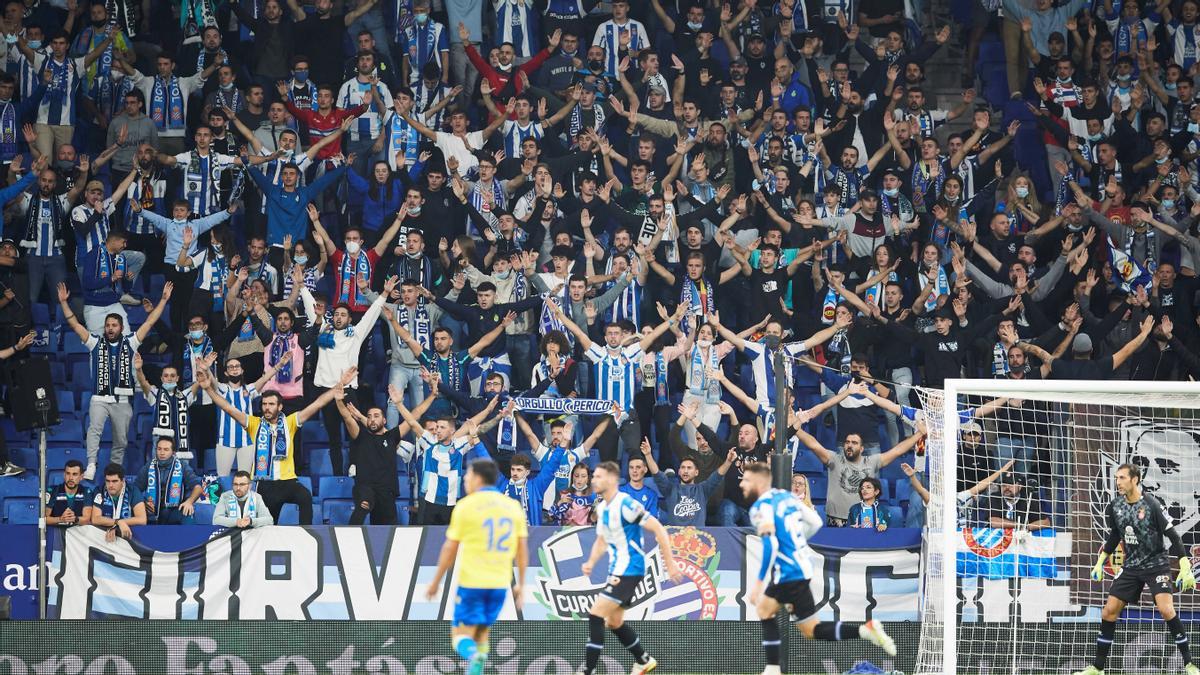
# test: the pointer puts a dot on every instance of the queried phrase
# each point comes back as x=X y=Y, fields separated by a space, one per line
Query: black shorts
x=621 y=589
x=796 y=595
x=1127 y=587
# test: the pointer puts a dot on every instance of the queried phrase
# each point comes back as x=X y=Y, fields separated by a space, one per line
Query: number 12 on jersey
x=499 y=532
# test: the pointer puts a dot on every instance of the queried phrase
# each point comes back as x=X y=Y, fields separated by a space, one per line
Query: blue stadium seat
x=208 y=459
x=314 y=433
x=289 y=514
x=337 y=511
x=41 y=314
x=66 y=401
x=318 y=461
x=21 y=510
x=204 y=513
x=58 y=374
x=306 y=482
x=336 y=487
x=226 y=483
x=56 y=457
x=26 y=457
x=81 y=374
x=904 y=490
x=893 y=471
x=897 y=516
x=405 y=487
x=820 y=511
x=818 y=486
x=67 y=435
x=807 y=462
x=24 y=485
x=402 y=511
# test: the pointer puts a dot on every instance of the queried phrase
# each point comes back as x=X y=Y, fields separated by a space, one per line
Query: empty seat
x=337 y=511
x=24 y=485
x=336 y=487
x=818 y=487
x=318 y=461
x=21 y=510
x=204 y=513
x=289 y=514
x=807 y=462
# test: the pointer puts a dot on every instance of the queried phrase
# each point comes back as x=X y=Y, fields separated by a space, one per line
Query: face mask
x=695 y=26
x=704 y=344
x=1063 y=80
x=853 y=108
x=891 y=192
x=413 y=256
x=352 y=247
x=1171 y=86
x=1109 y=195
x=1168 y=203
x=227 y=87
x=421 y=18
x=596 y=65
x=33 y=44
x=1022 y=191
x=301 y=259
x=216 y=247
x=64 y=164
x=1193 y=128
x=1095 y=137
x=169 y=386
x=771 y=341
x=414 y=210
x=301 y=76
x=1160 y=160
x=99 y=23
x=11 y=39
x=196 y=334
x=503 y=275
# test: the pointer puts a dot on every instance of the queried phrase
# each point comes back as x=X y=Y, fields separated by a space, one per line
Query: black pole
x=781 y=461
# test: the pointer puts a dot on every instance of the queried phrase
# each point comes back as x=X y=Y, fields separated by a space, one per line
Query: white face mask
x=704 y=344
x=352 y=247
x=1022 y=191
x=414 y=210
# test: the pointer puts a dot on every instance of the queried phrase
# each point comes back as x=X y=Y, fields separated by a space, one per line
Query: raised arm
x=205 y=381
x=156 y=313
x=581 y=335
x=492 y=335
x=323 y=400
x=902 y=447
x=63 y=296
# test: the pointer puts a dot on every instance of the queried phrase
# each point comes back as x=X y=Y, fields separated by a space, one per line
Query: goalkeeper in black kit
x=1136 y=520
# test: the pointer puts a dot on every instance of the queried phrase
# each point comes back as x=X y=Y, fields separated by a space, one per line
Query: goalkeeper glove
x=1098 y=570
x=1186 y=581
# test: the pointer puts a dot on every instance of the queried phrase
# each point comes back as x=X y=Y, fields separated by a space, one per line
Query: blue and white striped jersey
x=514 y=135
x=89 y=238
x=442 y=469
x=562 y=477
x=369 y=123
x=762 y=365
x=229 y=433
x=785 y=524
x=616 y=372
x=45 y=243
x=620 y=523
x=59 y=102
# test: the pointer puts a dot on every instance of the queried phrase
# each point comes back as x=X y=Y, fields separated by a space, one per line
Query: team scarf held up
x=548 y=321
x=270 y=444
x=829 y=306
x=402 y=139
x=171 y=418
x=575 y=122
x=281 y=344
x=195 y=16
x=695 y=296
x=8 y=131
x=943 y=288
x=662 y=396
x=112 y=364
x=107 y=264
x=699 y=382
x=924 y=187
x=60 y=78
x=874 y=294
x=174 y=483
x=419 y=321
x=196 y=352
x=166 y=104
x=352 y=268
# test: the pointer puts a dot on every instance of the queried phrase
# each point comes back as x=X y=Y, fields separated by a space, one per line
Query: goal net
x=1006 y=584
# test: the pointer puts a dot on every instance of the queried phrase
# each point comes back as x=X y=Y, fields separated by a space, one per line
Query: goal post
x=1020 y=599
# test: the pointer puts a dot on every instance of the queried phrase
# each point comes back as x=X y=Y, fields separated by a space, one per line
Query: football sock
x=630 y=640
x=465 y=647
x=595 y=643
x=1175 y=626
x=834 y=631
x=770 y=640
x=1104 y=643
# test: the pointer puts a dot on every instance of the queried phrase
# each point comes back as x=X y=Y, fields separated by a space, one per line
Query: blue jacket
x=377 y=212
x=883 y=515
x=287 y=212
x=99 y=291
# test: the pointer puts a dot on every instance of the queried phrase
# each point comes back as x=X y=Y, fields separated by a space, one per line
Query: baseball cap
x=655 y=89
x=868 y=194
x=971 y=428
x=93 y=185
x=756 y=36
x=739 y=61
x=945 y=313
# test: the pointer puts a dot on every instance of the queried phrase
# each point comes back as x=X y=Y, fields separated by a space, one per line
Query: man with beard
x=373 y=452
x=232 y=440
x=450 y=365
x=848 y=469
x=65 y=503
x=240 y=507
x=169 y=485
x=359 y=92
x=684 y=496
x=481 y=320
x=169 y=96
x=45 y=223
x=274 y=435
x=202 y=169
x=112 y=355
x=129 y=131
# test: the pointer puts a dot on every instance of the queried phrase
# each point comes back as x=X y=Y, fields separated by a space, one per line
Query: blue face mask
x=301 y=260
x=421 y=18
x=891 y=192
x=1171 y=86
x=1022 y=191
x=1168 y=203
x=10 y=39
x=35 y=44
x=169 y=386
x=1193 y=128
x=1160 y=160
x=1095 y=137
x=196 y=334
x=301 y=76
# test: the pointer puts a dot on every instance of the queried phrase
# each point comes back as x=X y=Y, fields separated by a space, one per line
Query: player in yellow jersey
x=490 y=528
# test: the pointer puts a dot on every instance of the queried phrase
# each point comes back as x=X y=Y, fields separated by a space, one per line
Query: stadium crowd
x=417 y=226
